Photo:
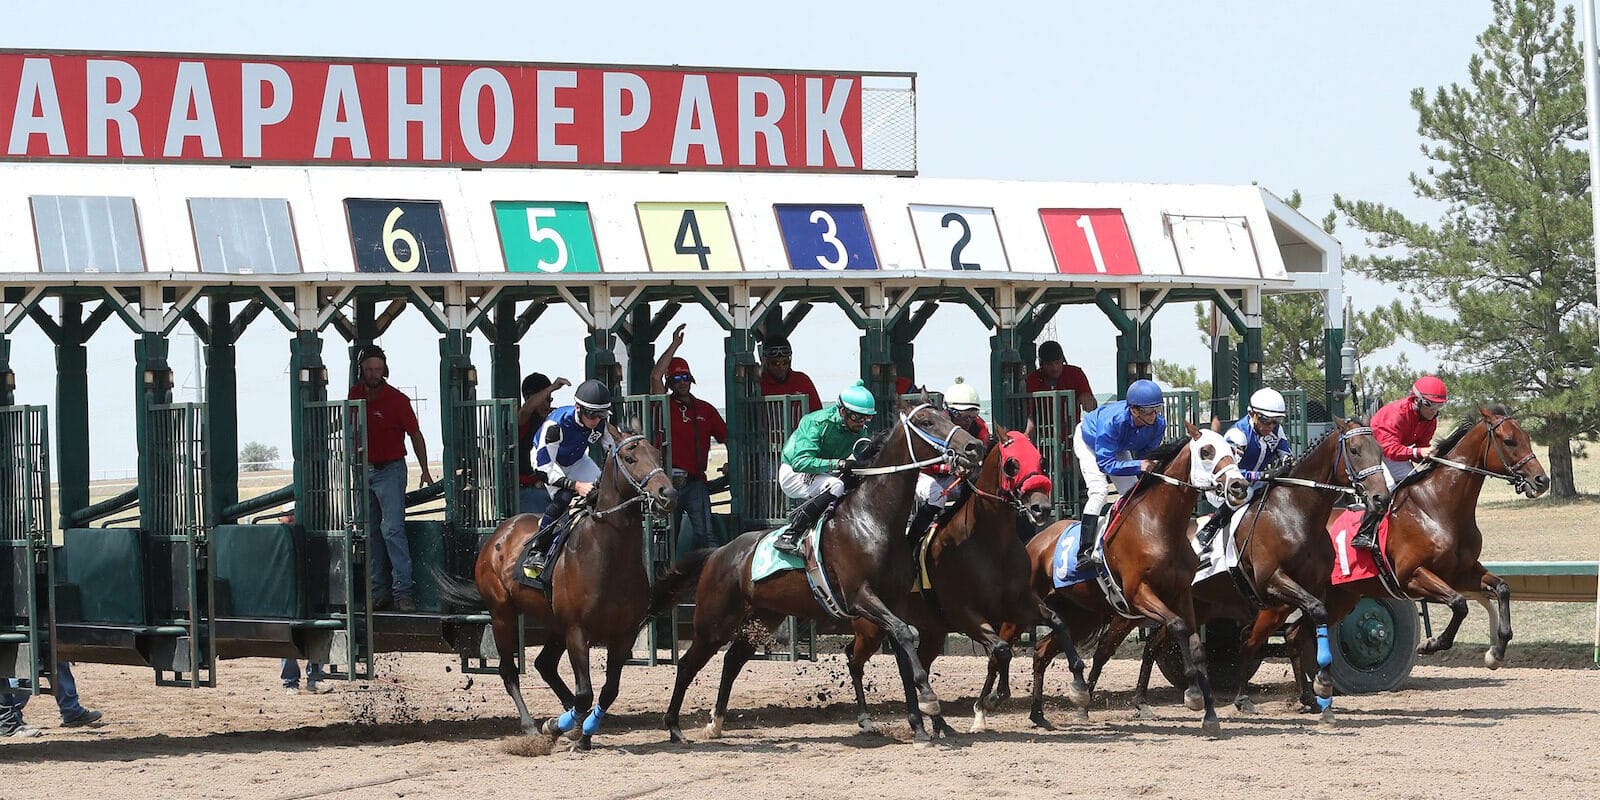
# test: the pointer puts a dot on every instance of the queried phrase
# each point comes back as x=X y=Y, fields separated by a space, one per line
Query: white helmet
x=1268 y=403
x=961 y=396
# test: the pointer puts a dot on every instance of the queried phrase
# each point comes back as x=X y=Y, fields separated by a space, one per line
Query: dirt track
x=1453 y=731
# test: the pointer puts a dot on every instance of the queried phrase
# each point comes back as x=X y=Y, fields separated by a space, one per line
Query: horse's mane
x=874 y=445
x=1162 y=455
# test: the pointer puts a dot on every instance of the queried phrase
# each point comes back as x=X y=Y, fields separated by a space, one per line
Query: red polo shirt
x=693 y=425
x=797 y=383
x=389 y=419
x=1072 y=380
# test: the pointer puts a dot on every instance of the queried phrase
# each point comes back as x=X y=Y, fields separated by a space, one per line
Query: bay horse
x=599 y=590
x=978 y=569
x=1288 y=559
x=1147 y=550
x=865 y=547
x=1434 y=542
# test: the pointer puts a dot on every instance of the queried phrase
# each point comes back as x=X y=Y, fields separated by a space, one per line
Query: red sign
x=238 y=109
x=1089 y=241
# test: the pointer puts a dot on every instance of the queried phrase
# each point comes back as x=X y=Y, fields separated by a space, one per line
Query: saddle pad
x=768 y=561
x=1064 y=567
x=1354 y=563
x=1223 y=554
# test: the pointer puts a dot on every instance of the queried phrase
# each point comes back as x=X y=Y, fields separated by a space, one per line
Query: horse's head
x=1511 y=453
x=1022 y=478
x=1362 y=459
x=1212 y=467
x=643 y=472
x=931 y=433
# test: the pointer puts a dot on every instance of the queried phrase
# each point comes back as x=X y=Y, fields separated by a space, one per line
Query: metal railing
x=488 y=466
x=759 y=450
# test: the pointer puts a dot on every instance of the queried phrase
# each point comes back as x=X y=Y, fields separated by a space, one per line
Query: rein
x=1355 y=478
x=640 y=495
x=1511 y=476
x=946 y=453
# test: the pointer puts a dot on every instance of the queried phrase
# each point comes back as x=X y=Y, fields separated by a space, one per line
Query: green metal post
x=457 y=388
x=222 y=411
x=8 y=379
x=641 y=350
x=72 y=412
x=505 y=354
x=1332 y=371
x=600 y=360
x=1006 y=377
x=1249 y=367
x=152 y=378
x=877 y=367
x=742 y=374
x=1222 y=377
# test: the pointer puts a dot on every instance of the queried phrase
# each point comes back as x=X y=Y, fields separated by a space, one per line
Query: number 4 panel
x=959 y=237
x=688 y=237
x=831 y=237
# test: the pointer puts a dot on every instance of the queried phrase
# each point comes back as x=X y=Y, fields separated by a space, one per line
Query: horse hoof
x=865 y=725
x=979 y=723
x=1079 y=695
x=1491 y=661
x=1144 y=712
x=1193 y=699
x=1080 y=716
x=714 y=728
x=1039 y=721
x=1211 y=728
x=551 y=729
x=584 y=743
x=929 y=707
x=1327 y=719
x=1244 y=706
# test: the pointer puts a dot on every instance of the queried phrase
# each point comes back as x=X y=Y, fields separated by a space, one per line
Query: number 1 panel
x=1089 y=241
x=830 y=237
x=688 y=237
x=546 y=236
x=959 y=238
x=398 y=235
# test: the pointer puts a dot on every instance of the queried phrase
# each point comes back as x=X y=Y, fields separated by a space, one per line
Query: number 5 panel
x=688 y=237
x=831 y=237
x=545 y=236
x=398 y=235
x=958 y=237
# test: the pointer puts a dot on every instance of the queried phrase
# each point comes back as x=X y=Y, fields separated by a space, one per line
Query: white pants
x=1098 y=483
x=1395 y=470
x=584 y=470
x=803 y=486
x=931 y=488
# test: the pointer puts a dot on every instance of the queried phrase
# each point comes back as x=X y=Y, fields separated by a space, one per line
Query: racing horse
x=1287 y=559
x=598 y=593
x=1147 y=551
x=1434 y=542
x=868 y=558
x=978 y=571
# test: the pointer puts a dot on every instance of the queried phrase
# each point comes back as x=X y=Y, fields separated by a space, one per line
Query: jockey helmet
x=1143 y=394
x=1268 y=403
x=961 y=396
x=592 y=395
x=858 y=398
x=1430 y=388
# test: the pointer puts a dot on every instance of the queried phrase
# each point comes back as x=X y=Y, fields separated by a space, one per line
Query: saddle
x=562 y=526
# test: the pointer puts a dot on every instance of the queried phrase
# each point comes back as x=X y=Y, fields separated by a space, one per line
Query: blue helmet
x=1143 y=394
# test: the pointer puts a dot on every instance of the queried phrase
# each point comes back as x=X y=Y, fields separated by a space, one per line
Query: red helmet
x=1430 y=388
x=677 y=367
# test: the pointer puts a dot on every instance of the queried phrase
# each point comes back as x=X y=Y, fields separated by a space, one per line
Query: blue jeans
x=532 y=500
x=694 y=517
x=291 y=673
x=66 y=691
x=388 y=551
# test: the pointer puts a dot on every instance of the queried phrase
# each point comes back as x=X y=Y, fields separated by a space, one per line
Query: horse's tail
x=456 y=591
x=682 y=574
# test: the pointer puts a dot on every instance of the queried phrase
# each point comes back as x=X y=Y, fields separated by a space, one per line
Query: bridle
x=946 y=452
x=1355 y=489
x=652 y=503
x=1204 y=486
x=1513 y=475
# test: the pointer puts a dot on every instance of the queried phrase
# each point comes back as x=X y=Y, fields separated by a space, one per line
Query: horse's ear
x=1000 y=433
x=1027 y=432
x=1194 y=433
x=1216 y=424
x=1340 y=421
x=1487 y=414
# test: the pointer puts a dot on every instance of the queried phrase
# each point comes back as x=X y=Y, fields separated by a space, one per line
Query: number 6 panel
x=959 y=237
x=830 y=237
x=398 y=235
x=688 y=237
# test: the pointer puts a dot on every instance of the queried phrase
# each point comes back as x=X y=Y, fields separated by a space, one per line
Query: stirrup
x=787 y=542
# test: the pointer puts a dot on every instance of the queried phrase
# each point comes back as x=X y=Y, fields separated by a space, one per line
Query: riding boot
x=1366 y=536
x=800 y=521
x=921 y=520
x=1218 y=521
x=1086 y=540
x=538 y=555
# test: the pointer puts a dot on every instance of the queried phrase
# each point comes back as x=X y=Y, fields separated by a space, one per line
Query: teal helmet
x=858 y=398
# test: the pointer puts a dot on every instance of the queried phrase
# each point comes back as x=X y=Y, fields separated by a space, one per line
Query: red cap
x=1430 y=388
x=678 y=366
x=902 y=385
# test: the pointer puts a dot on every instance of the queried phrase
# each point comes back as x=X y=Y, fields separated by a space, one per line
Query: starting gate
x=334 y=516
x=26 y=635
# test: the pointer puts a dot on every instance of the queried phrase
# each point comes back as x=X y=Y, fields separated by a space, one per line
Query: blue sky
x=1290 y=95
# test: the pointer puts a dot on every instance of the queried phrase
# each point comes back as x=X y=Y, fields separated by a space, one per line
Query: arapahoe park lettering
x=232 y=109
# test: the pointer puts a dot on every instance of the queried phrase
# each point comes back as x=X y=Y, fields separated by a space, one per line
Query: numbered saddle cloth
x=1223 y=554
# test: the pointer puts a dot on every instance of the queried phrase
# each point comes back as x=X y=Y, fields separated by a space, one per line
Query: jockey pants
x=1096 y=482
x=803 y=486
x=933 y=489
x=1395 y=470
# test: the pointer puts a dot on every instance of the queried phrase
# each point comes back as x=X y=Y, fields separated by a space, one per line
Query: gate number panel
x=1089 y=241
x=827 y=237
x=688 y=237
x=398 y=235
x=546 y=236
x=959 y=238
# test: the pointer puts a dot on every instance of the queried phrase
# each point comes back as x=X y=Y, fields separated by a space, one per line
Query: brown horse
x=599 y=590
x=868 y=556
x=1285 y=553
x=1147 y=550
x=1434 y=542
x=979 y=572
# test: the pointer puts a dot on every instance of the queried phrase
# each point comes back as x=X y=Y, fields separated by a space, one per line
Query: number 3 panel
x=688 y=237
x=959 y=237
x=831 y=237
x=398 y=235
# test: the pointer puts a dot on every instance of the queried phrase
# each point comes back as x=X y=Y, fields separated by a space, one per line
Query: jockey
x=819 y=448
x=1133 y=426
x=1258 y=446
x=937 y=488
x=563 y=456
x=1404 y=429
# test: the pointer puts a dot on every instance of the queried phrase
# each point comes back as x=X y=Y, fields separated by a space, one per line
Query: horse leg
x=1499 y=594
x=617 y=656
x=504 y=625
x=1313 y=618
x=1266 y=621
x=1117 y=630
x=1043 y=653
x=739 y=654
x=1187 y=638
x=1147 y=661
x=700 y=651
x=912 y=674
x=583 y=698
x=1078 y=692
x=548 y=663
x=989 y=697
x=1426 y=583
x=868 y=638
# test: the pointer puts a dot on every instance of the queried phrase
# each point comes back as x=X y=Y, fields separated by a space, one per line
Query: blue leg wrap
x=568 y=719
x=1324 y=654
x=1324 y=702
x=591 y=724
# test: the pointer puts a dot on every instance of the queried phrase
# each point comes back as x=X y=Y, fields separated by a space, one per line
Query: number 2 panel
x=829 y=237
x=398 y=235
x=688 y=237
x=959 y=238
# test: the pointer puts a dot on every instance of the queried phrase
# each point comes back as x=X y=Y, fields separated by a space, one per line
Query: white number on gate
x=1094 y=244
x=830 y=237
x=1344 y=558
